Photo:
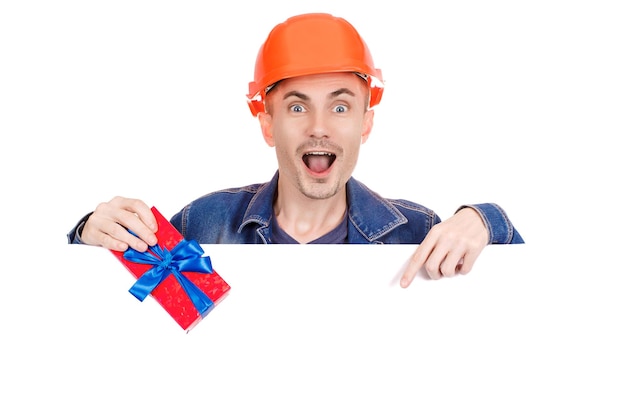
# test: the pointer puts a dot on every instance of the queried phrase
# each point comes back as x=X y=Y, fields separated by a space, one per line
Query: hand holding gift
x=176 y=274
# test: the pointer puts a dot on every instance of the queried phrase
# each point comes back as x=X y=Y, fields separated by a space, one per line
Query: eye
x=341 y=108
x=297 y=108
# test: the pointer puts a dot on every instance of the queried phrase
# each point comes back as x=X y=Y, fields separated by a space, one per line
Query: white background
x=516 y=103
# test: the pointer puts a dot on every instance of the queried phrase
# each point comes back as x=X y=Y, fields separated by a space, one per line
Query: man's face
x=317 y=124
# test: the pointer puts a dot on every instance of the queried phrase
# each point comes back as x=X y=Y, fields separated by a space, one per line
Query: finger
x=119 y=208
x=451 y=264
x=133 y=223
x=416 y=262
x=122 y=236
x=435 y=260
x=123 y=241
x=468 y=261
x=111 y=235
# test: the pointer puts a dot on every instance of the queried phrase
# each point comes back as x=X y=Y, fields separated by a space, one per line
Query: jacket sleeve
x=501 y=230
x=73 y=237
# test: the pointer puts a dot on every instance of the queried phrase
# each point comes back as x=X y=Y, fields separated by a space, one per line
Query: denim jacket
x=242 y=215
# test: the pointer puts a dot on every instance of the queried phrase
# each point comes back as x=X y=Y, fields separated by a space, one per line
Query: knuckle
x=432 y=267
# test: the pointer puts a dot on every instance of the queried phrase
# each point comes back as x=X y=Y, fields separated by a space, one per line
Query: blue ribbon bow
x=186 y=256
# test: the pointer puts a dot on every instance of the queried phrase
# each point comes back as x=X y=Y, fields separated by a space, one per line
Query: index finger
x=416 y=262
x=141 y=223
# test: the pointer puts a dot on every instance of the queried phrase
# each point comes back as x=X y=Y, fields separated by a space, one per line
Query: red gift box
x=169 y=293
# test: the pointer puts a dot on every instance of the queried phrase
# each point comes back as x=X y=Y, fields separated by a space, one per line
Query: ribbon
x=186 y=256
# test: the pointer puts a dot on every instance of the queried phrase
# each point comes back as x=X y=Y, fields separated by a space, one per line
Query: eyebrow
x=304 y=97
x=342 y=91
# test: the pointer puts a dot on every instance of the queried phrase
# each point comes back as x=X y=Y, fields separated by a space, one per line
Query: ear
x=265 y=120
x=368 y=124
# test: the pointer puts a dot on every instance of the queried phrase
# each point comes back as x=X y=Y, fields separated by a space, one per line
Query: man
x=314 y=88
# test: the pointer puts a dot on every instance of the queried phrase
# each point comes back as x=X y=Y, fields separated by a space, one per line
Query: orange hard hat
x=313 y=43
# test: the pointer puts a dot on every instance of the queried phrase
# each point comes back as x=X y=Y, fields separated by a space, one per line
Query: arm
x=108 y=226
x=452 y=247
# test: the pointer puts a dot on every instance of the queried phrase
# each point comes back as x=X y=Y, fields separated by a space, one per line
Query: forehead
x=324 y=83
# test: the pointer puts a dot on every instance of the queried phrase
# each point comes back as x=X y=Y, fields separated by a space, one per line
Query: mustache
x=322 y=144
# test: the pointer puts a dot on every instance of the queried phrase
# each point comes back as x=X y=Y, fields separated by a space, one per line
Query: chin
x=320 y=190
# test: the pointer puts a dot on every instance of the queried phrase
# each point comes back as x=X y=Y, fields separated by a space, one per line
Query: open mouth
x=318 y=162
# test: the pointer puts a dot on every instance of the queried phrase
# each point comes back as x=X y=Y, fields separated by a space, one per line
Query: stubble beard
x=320 y=189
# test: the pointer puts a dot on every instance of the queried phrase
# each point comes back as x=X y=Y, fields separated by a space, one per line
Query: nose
x=318 y=126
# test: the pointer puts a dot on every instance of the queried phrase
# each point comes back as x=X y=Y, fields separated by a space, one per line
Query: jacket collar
x=371 y=215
